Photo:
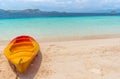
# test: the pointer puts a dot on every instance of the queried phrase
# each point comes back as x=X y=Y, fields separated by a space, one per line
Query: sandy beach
x=74 y=59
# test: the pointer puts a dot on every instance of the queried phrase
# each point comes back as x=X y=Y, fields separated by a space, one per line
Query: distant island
x=29 y=13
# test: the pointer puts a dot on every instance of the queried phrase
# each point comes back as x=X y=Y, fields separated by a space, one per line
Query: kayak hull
x=21 y=51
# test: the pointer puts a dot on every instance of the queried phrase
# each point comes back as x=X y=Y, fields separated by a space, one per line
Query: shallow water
x=55 y=27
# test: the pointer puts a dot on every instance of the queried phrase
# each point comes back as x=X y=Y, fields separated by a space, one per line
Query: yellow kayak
x=21 y=51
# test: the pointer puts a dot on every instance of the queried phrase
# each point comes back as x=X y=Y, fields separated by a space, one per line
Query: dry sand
x=82 y=59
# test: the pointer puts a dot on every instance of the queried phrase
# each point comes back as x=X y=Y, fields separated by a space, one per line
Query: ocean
x=59 y=27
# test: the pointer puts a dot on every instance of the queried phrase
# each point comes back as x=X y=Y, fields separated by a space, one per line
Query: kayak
x=21 y=51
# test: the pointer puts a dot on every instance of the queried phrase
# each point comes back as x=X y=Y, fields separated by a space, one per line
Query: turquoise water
x=56 y=27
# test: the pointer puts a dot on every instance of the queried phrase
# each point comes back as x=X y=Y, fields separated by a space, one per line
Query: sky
x=61 y=5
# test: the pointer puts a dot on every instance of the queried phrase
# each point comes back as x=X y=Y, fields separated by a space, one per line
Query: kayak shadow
x=33 y=68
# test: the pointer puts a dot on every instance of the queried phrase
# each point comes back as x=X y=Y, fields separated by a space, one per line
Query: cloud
x=61 y=5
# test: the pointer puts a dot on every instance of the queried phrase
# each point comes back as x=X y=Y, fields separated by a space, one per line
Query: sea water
x=57 y=27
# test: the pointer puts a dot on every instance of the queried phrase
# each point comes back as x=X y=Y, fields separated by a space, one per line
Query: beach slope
x=82 y=59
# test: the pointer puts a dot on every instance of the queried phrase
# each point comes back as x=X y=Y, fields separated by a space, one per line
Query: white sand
x=83 y=59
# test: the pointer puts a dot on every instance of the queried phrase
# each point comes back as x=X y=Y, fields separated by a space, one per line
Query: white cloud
x=60 y=5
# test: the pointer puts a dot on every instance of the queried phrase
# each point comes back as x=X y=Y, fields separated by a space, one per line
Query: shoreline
x=74 y=38
x=78 y=38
